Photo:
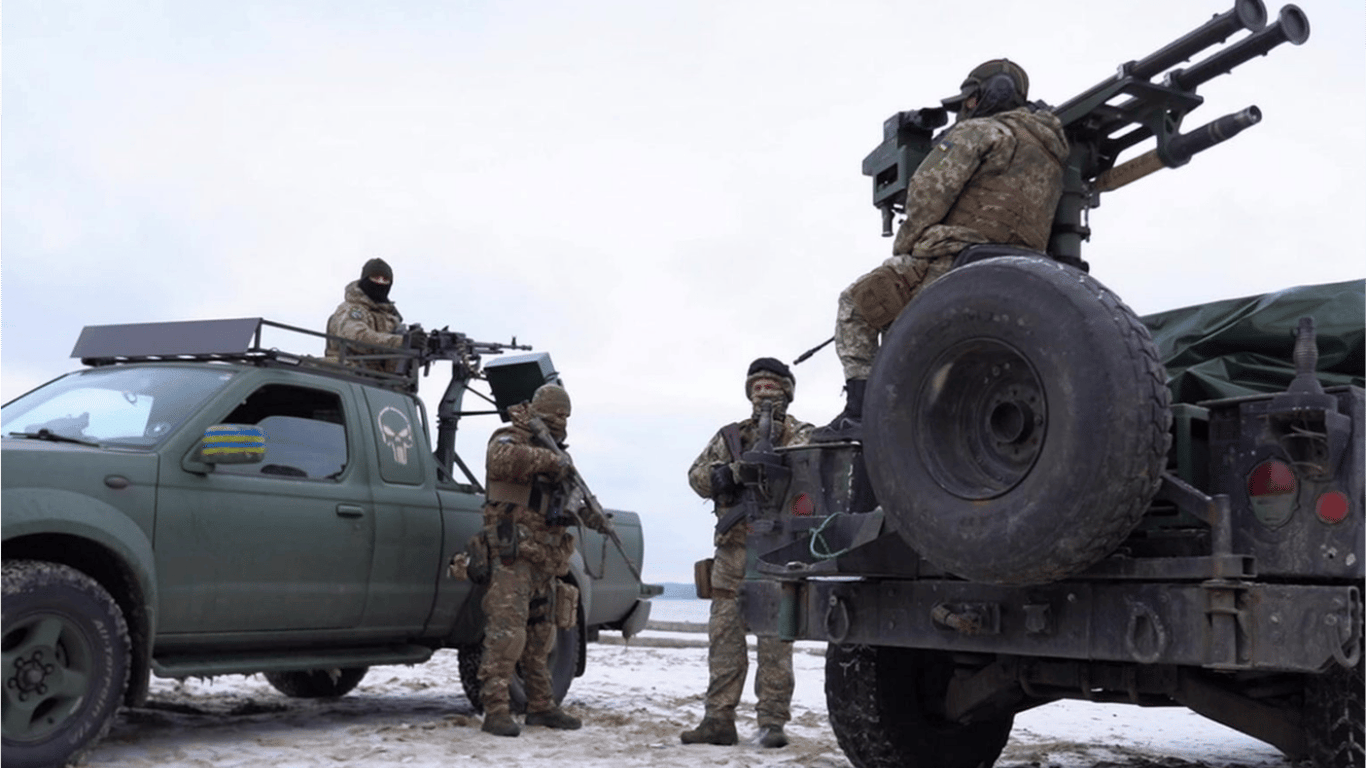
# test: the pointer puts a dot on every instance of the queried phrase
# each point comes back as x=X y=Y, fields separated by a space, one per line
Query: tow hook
x=968 y=618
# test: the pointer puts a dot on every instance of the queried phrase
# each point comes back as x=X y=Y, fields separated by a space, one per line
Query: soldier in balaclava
x=366 y=314
x=994 y=177
x=531 y=545
x=769 y=383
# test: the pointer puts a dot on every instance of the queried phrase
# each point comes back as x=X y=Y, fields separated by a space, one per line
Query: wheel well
x=105 y=567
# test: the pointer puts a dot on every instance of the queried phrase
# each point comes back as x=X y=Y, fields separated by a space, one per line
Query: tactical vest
x=1013 y=206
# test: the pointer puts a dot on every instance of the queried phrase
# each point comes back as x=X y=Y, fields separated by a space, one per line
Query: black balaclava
x=378 y=292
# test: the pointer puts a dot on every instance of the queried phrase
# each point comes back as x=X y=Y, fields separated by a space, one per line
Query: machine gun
x=1099 y=128
x=465 y=355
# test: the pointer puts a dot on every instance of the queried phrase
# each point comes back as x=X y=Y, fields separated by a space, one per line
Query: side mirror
x=231 y=444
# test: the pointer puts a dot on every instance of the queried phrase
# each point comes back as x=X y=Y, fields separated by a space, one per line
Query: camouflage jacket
x=991 y=179
x=794 y=432
x=361 y=319
x=521 y=482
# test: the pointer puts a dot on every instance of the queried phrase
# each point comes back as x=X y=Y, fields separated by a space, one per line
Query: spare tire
x=1016 y=421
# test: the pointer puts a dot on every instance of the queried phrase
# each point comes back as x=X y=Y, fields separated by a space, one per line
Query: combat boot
x=848 y=425
x=554 y=718
x=713 y=730
x=771 y=737
x=500 y=724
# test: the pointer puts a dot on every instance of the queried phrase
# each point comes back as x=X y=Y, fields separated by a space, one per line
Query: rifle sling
x=731 y=435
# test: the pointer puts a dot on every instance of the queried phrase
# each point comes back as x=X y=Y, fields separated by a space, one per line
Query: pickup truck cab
x=194 y=504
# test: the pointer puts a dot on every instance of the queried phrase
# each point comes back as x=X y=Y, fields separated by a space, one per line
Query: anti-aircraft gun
x=1030 y=517
x=1099 y=129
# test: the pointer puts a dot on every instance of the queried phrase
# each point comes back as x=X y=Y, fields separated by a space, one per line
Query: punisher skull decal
x=397 y=432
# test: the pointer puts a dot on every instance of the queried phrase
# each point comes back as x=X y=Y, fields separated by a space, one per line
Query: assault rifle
x=1099 y=125
x=574 y=479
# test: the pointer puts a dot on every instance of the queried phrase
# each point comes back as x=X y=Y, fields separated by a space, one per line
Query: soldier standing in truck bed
x=994 y=177
x=713 y=476
x=366 y=314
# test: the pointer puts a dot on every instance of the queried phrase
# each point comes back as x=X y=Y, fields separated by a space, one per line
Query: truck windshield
x=134 y=406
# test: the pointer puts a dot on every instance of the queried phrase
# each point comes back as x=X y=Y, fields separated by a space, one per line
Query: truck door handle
x=349 y=510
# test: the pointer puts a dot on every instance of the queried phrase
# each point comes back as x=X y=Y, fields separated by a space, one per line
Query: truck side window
x=305 y=432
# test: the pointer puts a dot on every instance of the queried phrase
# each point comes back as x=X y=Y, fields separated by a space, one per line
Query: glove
x=415 y=338
x=563 y=466
x=722 y=481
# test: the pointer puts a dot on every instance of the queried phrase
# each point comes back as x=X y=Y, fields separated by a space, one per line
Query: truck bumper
x=1216 y=624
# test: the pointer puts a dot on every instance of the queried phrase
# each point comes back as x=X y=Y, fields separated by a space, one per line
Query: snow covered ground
x=634 y=700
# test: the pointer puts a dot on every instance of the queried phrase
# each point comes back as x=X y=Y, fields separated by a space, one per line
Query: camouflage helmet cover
x=551 y=400
x=981 y=73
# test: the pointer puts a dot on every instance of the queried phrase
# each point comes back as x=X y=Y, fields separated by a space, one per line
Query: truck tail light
x=1332 y=507
x=1271 y=486
x=803 y=506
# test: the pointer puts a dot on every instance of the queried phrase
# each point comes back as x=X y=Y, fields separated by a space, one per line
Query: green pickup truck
x=316 y=549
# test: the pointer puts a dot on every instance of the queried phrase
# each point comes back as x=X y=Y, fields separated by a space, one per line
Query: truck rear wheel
x=883 y=703
x=1017 y=421
x=563 y=663
x=317 y=683
x=1334 y=718
x=65 y=662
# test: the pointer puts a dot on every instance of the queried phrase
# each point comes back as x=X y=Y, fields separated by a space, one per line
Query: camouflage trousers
x=519 y=607
x=728 y=655
x=856 y=342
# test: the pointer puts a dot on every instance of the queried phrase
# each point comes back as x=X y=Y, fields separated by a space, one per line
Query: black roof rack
x=238 y=340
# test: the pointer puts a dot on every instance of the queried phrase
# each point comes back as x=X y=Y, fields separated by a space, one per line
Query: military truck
x=198 y=502
x=1049 y=503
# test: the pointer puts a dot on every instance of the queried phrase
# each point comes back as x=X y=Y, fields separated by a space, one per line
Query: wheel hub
x=30 y=675
x=982 y=419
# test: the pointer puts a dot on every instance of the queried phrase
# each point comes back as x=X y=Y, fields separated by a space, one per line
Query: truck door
x=408 y=533
x=282 y=545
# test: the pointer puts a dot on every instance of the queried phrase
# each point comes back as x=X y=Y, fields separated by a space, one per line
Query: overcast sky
x=654 y=192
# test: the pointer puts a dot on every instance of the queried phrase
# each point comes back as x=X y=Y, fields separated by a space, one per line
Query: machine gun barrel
x=1291 y=26
x=1245 y=14
x=1179 y=149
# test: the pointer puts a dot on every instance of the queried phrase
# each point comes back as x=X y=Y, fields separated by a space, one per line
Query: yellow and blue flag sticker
x=233 y=444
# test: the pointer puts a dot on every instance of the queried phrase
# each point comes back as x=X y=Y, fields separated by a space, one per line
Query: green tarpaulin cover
x=1245 y=346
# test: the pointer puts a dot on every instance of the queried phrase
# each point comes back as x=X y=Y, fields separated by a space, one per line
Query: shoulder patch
x=941 y=150
x=357 y=314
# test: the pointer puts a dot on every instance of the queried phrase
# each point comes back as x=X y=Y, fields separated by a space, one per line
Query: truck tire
x=563 y=663
x=1334 y=718
x=66 y=661
x=882 y=703
x=1017 y=421
x=317 y=683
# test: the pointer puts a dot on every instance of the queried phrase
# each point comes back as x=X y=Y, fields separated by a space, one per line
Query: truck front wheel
x=883 y=703
x=65 y=662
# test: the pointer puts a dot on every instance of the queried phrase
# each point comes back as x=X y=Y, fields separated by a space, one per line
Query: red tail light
x=1271 y=486
x=803 y=506
x=1332 y=507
